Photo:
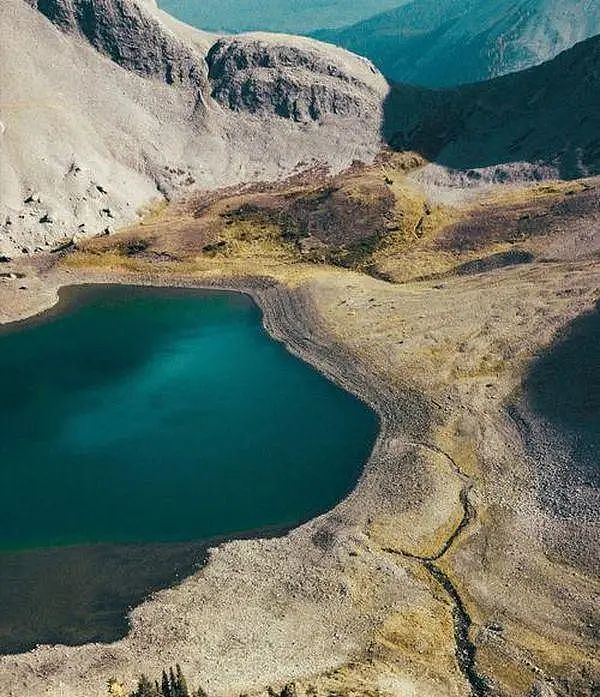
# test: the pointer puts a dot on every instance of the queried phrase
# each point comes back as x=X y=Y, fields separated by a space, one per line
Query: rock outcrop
x=129 y=35
x=268 y=75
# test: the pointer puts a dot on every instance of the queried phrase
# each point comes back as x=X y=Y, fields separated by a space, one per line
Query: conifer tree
x=145 y=688
x=165 y=685
x=182 y=688
x=173 y=682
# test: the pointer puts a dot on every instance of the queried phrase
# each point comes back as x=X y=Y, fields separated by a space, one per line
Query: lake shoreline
x=286 y=315
x=293 y=586
x=115 y=562
x=75 y=299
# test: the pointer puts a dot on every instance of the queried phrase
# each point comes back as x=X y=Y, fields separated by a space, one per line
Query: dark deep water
x=136 y=424
x=563 y=387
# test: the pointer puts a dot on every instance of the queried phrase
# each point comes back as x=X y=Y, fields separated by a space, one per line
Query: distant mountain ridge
x=440 y=43
x=288 y=16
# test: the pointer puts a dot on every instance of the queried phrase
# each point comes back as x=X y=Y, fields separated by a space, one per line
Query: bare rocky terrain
x=465 y=562
x=450 y=568
x=161 y=112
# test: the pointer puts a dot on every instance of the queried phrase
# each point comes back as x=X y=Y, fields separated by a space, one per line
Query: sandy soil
x=444 y=572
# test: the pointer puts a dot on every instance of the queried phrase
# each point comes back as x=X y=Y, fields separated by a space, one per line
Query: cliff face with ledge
x=129 y=35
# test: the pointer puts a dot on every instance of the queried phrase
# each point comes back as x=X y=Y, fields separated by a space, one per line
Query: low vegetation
x=360 y=220
x=371 y=218
x=173 y=683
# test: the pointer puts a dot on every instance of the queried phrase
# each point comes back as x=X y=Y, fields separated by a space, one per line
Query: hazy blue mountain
x=448 y=42
x=289 y=16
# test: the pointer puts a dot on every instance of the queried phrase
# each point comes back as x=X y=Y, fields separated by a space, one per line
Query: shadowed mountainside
x=540 y=122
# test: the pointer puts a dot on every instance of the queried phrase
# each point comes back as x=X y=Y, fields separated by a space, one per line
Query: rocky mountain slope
x=156 y=109
x=539 y=123
x=449 y=42
x=107 y=105
x=131 y=37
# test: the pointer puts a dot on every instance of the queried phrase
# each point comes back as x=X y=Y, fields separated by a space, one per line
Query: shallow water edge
x=68 y=570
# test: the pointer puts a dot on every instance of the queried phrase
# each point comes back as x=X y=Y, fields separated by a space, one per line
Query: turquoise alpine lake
x=138 y=423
